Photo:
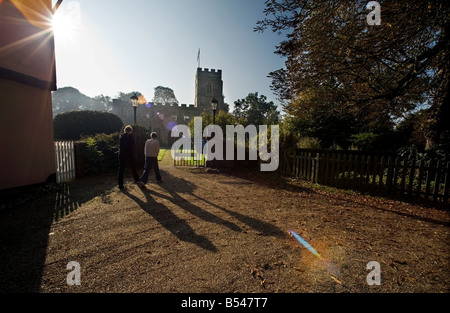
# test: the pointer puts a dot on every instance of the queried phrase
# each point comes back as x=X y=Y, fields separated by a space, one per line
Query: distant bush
x=439 y=152
x=366 y=141
x=308 y=143
x=76 y=124
x=335 y=146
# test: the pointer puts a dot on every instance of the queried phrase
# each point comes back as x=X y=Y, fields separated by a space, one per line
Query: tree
x=164 y=95
x=68 y=99
x=255 y=110
x=122 y=96
x=102 y=103
x=222 y=119
x=378 y=73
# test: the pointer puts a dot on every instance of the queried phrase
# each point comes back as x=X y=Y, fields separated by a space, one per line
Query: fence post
x=337 y=181
x=65 y=160
x=412 y=172
x=344 y=170
x=361 y=179
x=389 y=174
x=396 y=173
x=419 y=180
x=368 y=172
x=429 y=177
x=382 y=167
x=355 y=171
x=326 y=164
x=404 y=169
x=437 y=180
x=374 y=173
x=446 y=183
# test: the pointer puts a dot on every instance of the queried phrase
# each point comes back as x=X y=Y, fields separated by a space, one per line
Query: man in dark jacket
x=127 y=155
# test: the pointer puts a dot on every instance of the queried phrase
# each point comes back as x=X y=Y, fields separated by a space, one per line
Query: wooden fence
x=372 y=173
x=65 y=161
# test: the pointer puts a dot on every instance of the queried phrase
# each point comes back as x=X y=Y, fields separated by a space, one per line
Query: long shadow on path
x=164 y=216
x=264 y=228
x=176 y=186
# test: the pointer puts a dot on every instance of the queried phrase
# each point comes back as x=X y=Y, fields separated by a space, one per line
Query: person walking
x=127 y=155
x=151 y=152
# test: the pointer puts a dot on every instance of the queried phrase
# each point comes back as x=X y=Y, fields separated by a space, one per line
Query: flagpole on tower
x=198 y=58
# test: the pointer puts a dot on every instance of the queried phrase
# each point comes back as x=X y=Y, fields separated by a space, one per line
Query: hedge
x=73 y=125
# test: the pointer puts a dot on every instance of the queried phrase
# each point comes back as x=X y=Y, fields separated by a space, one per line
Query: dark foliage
x=75 y=124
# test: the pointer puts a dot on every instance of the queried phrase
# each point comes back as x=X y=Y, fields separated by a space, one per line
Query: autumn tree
x=374 y=73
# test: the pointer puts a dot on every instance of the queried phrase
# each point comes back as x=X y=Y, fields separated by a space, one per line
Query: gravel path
x=205 y=231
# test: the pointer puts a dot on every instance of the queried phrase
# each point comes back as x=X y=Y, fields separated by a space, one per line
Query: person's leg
x=156 y=169
x=147 y=167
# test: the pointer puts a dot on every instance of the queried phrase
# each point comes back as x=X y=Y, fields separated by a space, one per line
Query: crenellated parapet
x=207 y=71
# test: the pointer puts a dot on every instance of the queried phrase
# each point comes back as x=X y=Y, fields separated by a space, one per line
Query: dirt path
x=204 y=231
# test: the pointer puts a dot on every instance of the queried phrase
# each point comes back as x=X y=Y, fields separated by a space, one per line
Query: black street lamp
x=214 y=108
x=134 y=103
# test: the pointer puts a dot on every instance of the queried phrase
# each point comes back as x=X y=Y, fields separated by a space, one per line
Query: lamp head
x=214 y=103
x=134 y=100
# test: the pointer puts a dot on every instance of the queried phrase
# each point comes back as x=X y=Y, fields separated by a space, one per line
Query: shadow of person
x=263 y=228
x=174 y=186
x=177 y=226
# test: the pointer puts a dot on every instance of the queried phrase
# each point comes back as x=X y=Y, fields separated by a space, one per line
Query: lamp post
x=214 y=108
x=134 y=103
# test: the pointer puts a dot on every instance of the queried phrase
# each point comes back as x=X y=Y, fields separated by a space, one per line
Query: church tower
x=208 y=85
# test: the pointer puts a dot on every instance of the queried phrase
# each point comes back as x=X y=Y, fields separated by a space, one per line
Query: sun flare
x=64 y=28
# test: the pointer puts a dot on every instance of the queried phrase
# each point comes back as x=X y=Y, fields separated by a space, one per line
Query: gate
x=65 y=161
x=194 y=159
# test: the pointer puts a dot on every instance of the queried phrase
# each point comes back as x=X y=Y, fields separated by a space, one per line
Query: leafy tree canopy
x=68 y=99
x=255 y=110
x=375 y=73
x=164 y=95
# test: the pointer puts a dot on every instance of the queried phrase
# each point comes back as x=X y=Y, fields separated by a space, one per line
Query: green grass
x=161 y=154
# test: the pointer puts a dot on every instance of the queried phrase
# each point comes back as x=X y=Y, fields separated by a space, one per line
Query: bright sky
x=108 y=46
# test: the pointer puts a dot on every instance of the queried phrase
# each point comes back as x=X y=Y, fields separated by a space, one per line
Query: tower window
x=209 y=88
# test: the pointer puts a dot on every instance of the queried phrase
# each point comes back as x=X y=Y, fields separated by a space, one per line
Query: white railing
x=65 y=161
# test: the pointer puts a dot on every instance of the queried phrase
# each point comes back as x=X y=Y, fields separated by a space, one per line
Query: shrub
x=75 y=124
x=335 y=146
x=366 y=141
x=308 y=143
x=99 y=153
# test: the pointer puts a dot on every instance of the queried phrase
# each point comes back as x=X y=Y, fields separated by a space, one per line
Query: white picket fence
x=65 y=161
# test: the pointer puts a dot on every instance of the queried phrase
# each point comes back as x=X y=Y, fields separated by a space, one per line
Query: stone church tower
x=208 y=85
x=161 y=117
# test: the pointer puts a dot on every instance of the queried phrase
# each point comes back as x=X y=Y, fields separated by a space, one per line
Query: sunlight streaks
x=66 y=22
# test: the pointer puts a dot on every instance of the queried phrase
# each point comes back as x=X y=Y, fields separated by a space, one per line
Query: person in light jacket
x=151 y=152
